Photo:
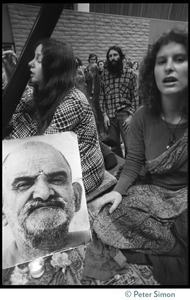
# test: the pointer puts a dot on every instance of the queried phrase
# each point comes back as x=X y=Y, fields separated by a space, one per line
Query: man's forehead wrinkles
x=31 y=169
x=40 y=173
x=28 y=162
x=36 y=160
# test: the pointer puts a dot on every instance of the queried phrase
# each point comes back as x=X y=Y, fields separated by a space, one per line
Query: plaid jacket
x=118 y=92
x=73 y=114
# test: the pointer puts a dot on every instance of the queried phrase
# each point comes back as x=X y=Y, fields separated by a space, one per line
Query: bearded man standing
x=118 y=98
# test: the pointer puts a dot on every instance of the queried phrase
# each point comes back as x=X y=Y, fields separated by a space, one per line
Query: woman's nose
x=42 y=189
x=169 y=65
x=30 y=63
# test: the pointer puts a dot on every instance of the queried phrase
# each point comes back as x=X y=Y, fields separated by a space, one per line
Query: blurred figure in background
x=128 y=63
x=9 y=61
x=80 y=76
x=92 y=58
x=100 y=66
x=93 y=90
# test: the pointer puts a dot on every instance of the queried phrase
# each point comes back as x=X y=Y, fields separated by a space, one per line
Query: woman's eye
x=160 y=61
x=39 y=58
x=180 y=58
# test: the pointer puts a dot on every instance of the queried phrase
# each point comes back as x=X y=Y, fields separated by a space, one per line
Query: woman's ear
x=77 y=188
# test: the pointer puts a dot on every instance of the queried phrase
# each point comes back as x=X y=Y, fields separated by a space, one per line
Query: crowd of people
x=145 y=214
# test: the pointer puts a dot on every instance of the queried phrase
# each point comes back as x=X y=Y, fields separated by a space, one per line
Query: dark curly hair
x=117 y=49
x=91 y=55
x=59 y=70
x=148 y=89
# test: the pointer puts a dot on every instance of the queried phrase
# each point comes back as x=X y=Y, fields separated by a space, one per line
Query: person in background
x=93 y=90
x=39 y=202
x=79 y=65
x=129 y=63
x=150 y=196
x=136 y=71
x=100 y=64
x=78 y=62
x=9 y=61
x=135 y=65
x=92 y=58
x=80 y=76
x=118 y=98
x=56 y=105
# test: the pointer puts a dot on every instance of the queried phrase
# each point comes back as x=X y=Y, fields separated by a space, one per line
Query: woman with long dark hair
x=56 y=105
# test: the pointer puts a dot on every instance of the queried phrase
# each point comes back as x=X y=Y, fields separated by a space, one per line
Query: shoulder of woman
x=77 y=94
x=74 y=98
x=142 y=113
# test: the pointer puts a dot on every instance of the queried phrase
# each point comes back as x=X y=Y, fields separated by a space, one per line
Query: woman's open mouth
x=170 y=79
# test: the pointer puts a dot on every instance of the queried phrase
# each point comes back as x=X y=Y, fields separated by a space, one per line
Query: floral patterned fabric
x=73 y=274
x=144 y=219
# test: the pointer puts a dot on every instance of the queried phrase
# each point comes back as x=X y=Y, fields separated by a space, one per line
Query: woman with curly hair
x=148 y=212
x=56 y=105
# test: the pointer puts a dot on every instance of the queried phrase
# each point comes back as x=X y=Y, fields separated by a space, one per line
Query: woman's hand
x=112 y=197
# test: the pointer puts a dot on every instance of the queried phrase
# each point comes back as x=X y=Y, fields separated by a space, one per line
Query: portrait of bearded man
x=40 y=200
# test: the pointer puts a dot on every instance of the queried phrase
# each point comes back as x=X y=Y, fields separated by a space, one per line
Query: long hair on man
x=115 y=68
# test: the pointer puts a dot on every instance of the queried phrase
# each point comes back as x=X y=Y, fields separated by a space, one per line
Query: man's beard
x=115 y=68
x=46 y=228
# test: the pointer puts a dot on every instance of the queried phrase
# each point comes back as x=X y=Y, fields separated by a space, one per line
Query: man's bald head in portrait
x=39 y=197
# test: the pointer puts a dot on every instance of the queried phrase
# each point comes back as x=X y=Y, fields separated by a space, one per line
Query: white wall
x=82 y=7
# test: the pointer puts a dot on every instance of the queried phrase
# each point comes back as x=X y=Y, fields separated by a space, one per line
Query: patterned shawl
x=171 y=159
x=145 y=218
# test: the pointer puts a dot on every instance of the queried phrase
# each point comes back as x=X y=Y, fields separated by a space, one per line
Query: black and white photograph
x=44 y=202
x=95 y=147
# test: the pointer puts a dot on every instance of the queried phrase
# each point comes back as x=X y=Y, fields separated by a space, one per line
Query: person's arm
x=134 y=93
x=102 y=103
x=134 y=100
x=102 y=97
x=26 y=103
x=22 y=118
x=133 y=164
x=136 y=154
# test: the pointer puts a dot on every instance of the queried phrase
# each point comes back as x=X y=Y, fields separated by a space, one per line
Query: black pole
x=43 y=27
